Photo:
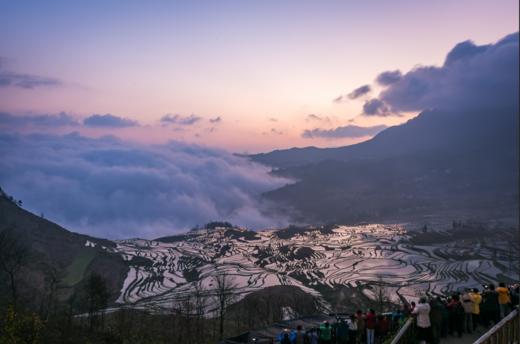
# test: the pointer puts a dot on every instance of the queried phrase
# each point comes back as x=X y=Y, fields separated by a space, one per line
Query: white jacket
x=423 y=315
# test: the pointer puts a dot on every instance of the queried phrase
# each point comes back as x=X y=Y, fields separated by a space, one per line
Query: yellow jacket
x=477 y=299
x=503 y=296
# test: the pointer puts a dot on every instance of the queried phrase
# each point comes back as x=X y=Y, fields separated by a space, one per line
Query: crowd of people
x=437 y=318
x=360 y=327
x=463 y=312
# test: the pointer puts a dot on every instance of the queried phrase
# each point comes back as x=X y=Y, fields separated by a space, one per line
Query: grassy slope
x=55 y=248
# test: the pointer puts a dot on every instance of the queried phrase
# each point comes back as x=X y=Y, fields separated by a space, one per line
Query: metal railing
x=507 y=331
x=406 y=333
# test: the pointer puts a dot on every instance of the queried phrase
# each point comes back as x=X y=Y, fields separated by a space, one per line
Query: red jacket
x=370 y=320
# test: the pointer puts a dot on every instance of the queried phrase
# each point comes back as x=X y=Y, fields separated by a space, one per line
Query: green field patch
x=76 y=270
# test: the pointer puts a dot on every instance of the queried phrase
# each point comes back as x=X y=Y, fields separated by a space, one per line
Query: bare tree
x=13 y=256
x=381 y=295
x=200 y=299
x=51 y=285
x=96 y=298
x=225 y=293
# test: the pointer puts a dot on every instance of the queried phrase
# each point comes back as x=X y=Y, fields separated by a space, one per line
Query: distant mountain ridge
x=430 y=130
x=439 y=161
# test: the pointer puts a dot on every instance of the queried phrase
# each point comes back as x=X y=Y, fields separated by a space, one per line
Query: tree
x=13 y=256
x=48 y=306
x=96 y=298
x=381 y=295
x=225 y=293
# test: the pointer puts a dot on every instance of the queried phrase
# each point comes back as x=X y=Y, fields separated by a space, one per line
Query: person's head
x=299 y=327
x=475 y=290
x=422 y=300
x=358 y=312
x=371 y=311
x=491 y=286
x=502 y=285
x=455 y=297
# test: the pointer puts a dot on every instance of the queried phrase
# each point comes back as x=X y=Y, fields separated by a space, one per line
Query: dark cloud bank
x=27 y=81
x=23 y=80
x=182 y=120
x=111 y=188
x=474 y=77
x=9 y=121
x=109 y=121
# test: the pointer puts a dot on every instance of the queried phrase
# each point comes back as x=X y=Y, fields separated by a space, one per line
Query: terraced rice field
x=162 y=273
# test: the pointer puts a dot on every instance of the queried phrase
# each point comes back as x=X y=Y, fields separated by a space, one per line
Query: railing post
x=507 y=331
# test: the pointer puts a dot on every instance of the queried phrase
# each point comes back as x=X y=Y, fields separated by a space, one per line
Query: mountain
x=453 y=163
x=58 y=258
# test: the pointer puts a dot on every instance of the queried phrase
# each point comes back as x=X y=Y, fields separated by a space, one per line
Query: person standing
x=325 y=333
x=285 y=339
x=360 y=319
x=477 y=299
x=467 y=304
x=422 y=312
x=299 y=337
x=313 y=336
x=436 y=320
x=456 y=315
x=382 y=328
x=342 y=332
x=445 y=326
x=352 y=330
x=370 y=324
x=490 y=306
x=504 y=299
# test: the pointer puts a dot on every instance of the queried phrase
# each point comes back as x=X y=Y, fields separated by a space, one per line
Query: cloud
x=472 y=77
x=10 y=121
x=338 y=99
x=112 y=188
x=277 y=131
x=109 y=121
x=180 y=120
x=27 y=81
x=215 y=120
x=360 y=91
x=388 y=77
x=312 y=117
x=375 y=107
x=352 y=131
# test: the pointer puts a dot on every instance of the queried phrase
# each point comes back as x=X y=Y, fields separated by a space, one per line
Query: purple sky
x=268 y=70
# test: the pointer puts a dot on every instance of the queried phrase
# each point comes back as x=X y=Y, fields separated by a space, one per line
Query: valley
x=406 y=261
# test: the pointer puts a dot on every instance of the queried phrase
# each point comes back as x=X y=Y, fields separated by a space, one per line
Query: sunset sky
x=239 y=75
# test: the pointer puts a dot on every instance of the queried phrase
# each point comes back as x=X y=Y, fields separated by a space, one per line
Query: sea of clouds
x=112 y=188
